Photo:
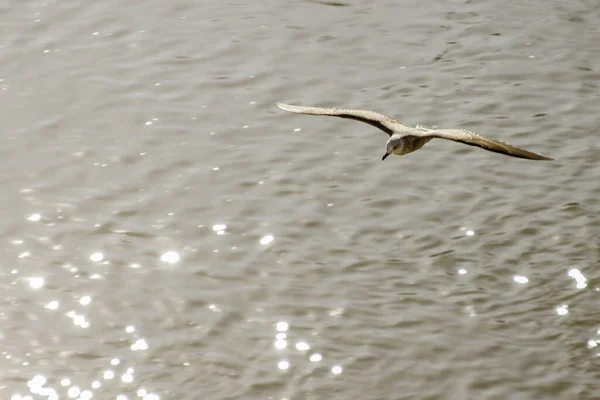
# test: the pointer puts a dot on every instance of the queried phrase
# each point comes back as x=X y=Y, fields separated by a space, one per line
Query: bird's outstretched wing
x=380 y=121
x=474 y=139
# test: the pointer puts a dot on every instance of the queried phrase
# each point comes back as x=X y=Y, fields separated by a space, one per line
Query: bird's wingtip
x=286 y=107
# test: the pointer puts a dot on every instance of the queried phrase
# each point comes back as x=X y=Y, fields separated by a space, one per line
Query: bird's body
x=405 y=139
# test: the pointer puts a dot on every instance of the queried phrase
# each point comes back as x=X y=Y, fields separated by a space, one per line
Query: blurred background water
x=168 y=233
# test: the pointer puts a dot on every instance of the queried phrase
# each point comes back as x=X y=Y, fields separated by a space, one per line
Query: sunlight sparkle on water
x=73 y=392
x=520 y=279
x=144 y=395
x=468 y=232
x=336 y=369
x=34 y=217
x=336 y=312
x=280 y=344
x=127 y=378
x=266 y=239
x=52 y=305
x=283 y=365
x=579 y=278
x=78 y=319
x=282 y=326
x=97 y=257
x=108 y=374
x=302 y=346
x=170 y=257
x=36 y=282
x=139 y=344
x=562 y=309
x=37 y=381
x=219 y=228
x=315 y=357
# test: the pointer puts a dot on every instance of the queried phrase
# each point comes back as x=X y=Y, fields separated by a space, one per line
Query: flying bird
x=405 y=139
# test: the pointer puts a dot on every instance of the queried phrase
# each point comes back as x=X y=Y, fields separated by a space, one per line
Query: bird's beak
x=385 y=156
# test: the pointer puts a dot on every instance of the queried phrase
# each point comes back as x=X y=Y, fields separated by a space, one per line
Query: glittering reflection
x=562 y=309
x=36 y=282
x=336 y=312
x=462 y=271
x=97 y=256
x=280 y=342
x=52 y=305
x=108 y=374
x=73 y=392
x=581 y=281
x=127 y=377
x=214 y=308
x=171 y=257
x=282 y=326
x=520 y=279
x=467 y=231
x=143 y=393
x=302 y=346
x=592 y=343
x=139 y=344
x=470 y=310
x=121 y=378
x=36 y=386
x=35 y=217
x=265 y=240
x=283 y=365
x=78 y=319
x=219 y=228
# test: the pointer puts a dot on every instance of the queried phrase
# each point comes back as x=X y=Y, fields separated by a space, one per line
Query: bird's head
x=393 y=146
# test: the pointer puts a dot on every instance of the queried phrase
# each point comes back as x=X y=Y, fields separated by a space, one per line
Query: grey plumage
x=405 y=139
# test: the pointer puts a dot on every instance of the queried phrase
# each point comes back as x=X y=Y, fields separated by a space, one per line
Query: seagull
x=405 y=139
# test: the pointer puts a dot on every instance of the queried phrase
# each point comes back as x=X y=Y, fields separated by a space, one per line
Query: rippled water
x=168 y=233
